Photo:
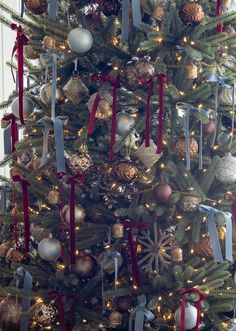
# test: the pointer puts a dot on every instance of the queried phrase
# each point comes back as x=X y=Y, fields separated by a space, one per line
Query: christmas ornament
x=229 y=30
x=75 y=90
x=221 y=233
x=180 y=147
x=225 y=4
x=209 y=128
x=14 y=255
x=49 y=42
x=46 y=94
x=138 y=71
x=10 y=313
x=176 y=254
x=189 y=201
x=117 y=230
x=34 y=163
x=85 y=265
x=24 y=157
x=45 y=315
x=190 y=316
x=148 y=155
x=28 y=107
x=54 y=197
x=80 y=40
x=49 y=249
x=124 y=123
x=226 y=96
x=29 y=53
x=163 y=192
x=78 y=162
x=38 y=232
x=4 y=248
x=124 y=303
x=80 y=214
x=125 y=171
x=154 y=8
x=203 y=247
x=111 y=7
x=191 y=13
x=104 y=108
x=108 y=263
x=231 y=325
x=115 y=319
x=191 y=71
x=226 y=173
x=36 y=7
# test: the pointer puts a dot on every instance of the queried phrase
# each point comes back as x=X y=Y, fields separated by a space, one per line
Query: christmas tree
x=120 y=209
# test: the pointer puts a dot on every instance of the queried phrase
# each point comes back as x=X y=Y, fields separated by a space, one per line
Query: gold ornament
x=80 y=214
x=4 y=123
x=115 y=319
x=49 y=42
x=78 y=162
x=38 y=232
x=189 y=201
x=4 y=248
x=75 y=90
x=221 y=233
x=54 y=197
x=14 y=172
x=104 y=108
x=36 y=7
x=46 y=94
x=45 y=315
x=10 y=313
x=203 y=247
x=125 y=171
x=29 y=53
x=191 y=13
x=147 y=155
x=177 y=254
x=180 y=147
x=118 y=230
x=191 y=71
x=154 y=8
x=34 y=163
x=14 y=255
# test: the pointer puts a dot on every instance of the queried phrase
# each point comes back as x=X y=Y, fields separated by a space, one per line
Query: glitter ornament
x=147 y=155
x=38 y=232
x=124 y=123
x=14 y=255
x=191 y=13
x=163 y=192
x=29 y=53
x=46 y=94
x=75 y=90
x=49 y=42
x=28 y=107
x=85 y=265
x=226 y=173
x=203 y=247
x=78 y=162
x=45 y=315
x=80 y=214
x=80 y=40
x=115 y=319
x=36 y=7
x=118 y=230
x=104 y=109
x=189 y=201
x=190 y=316
x=49 y=249
x=10 y=314
x=125 y=171
x=111 y=7
x=180 y=147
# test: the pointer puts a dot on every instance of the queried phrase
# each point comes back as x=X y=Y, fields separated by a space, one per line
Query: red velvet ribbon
x=73 y=182
x=116 y=84
x=219 y=27
x=229 y=196
x=201 y=297
x=14 y=129
x=161 y=84
x=99 y=9
x=24 y=187
x=59 y=297
x=21 y=40
x=15 y=224
x=148 y=114
x=129 y=225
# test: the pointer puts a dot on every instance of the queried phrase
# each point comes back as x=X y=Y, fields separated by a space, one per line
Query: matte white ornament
x=124 y=123
x=28 y=107
x=49 y=249
x=190 y=317
x=227 y=170
x=80 y=40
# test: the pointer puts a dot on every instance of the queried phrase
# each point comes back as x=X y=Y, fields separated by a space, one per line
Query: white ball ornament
x=80 y=40
x=190 y=317
x=124 y=123
x=227 y=170
x=49 y=249
x=28 y=107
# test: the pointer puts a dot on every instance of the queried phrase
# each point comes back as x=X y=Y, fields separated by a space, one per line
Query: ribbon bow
x=116 y=85
x=10 y=134
x=211 y=224
x=184 y=110
x=137 y=18
x=201 y=297
x=46 y=124
x=21 y=41
x=140 y=314
x=115 y=256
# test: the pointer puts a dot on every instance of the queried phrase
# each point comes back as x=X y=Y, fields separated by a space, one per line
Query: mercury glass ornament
x=108 y=263
x=80 y=214
x=80 y=40
x=226 y=96
x=28 y=107
x=163 y=192
x=176 y=254
x=75 y=90
x=191 y=13
x=46 y=94
x=190 y=316
x=104 y=108
x=54 y=197
x=49 y=249
x=191 y=71
x=29 y=53
x=36 y=7
x=226 y=172
x=45 y=315
x=85 y=265
x=124 y=123
x=115 y=319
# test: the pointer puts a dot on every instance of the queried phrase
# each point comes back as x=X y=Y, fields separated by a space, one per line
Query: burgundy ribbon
x=219 y=27
x=148 y=114
x=116 y=84
x=73 y=182
x=129 y=225
x=24 y=187
x=15 y=224
x=14 y=129
x=99 y=9
x=59 y=297
x=229 y=196
x=201 y=297
x=21 y=40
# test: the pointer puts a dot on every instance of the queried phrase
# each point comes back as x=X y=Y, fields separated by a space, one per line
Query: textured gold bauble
x=115 y=319
x=191 y=13
x=49 y=42
x=46 y=94
x=176 y=254
x=75 y=90
x=180 y=147
x=203 y=247
x=14 y=255
x=54 y=197
x=125 y=171
x=78 y=162
x=29 y=53
x=4 y=248
x=191 y=71
x=10 y=313
x=189 y=201
x=36 y=7
x=45 y=314
x=118 y=230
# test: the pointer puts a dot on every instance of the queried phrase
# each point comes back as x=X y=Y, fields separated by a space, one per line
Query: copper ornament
x=36 y=7
x=14 y=255
x=203 y=247
x=191 y=13
x=4 y=248
x=75 y=90
x=180 y=147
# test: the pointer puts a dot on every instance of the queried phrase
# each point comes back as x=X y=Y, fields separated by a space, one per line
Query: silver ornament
x=190 y=317
x=79 y=214
x=227 y=170
x=49 y=249
x=124 y=123
x=28 y=107
x=80 y=40
x=46 y=94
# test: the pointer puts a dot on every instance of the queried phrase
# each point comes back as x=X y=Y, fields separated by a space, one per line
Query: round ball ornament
x=203 y=247
x=227 y=170
x=46 y=94
x=124 y=303
x=38 y=232
x=49 y=249
x=4 y=248
x=104 y=109
x=80 y=214
x=189 y=201
x=28 y=107
x=85 y=265
x=10 y=314
x=111 y=7
x=190 y=317
x=45 y=315
x=180 y=147
x=36 y=7
x=115 y=319
x=125 y=171
x=124 y=123
x=176 y=254
x=29 y=53
x=209 y=127
x=229 y=30
x=80 y=40
x=163 y=192
x=109 y=265
x=191 y=13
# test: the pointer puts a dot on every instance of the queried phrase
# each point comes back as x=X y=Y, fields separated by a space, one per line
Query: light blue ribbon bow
x=46 y=124
x=53 y=9
x=184 y=111
x=211 y=224
x=115 y=256
x=137 y=18
x=140 y=314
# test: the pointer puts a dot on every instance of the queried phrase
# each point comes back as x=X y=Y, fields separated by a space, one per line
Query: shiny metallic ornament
x=225 y=4
x=75 y=90
x=189 y=201
x=108 y=263
x=118 y=230
x=191 y=71
x=46 y=94
x=124 y=123
x=45 y=315
x=78 y=162
x=125 y=171
x=54 y=197
x=180 y=147
x=38 y=232
x=29 y=53
x=80 y=214
x=104 y=109
x=49 y=249
x=191 y=13
x=25 y=157
x=49 y=42
x=115 y=319
x=28 y=107
x=4 y=248
x=226 y=96
x=36 y=7
x=80 y=40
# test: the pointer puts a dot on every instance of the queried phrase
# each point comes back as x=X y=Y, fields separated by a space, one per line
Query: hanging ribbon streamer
x=116 y=85
x=10 y=134
x=148 y=110
x=140 y=315
x=219 y=81
x=53 y=9
x=24 y=187
x=3 y=202
x=233 y=114
x=23 y=276
x=229 y=196
x=201 y=297
x=219 y=11
x=99 y=9
x=59 y=301
x=73 y=182
x=115 y=256
x=21 y=41
x=212 y=230
x=161 y=84
x=22 y=8
x=129 y=226
x=137 y=17
x=184 y=110
x=46 y=123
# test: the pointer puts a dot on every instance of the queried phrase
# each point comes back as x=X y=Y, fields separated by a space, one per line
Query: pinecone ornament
x=191 y=13
x=203 y=247
x=180 y=147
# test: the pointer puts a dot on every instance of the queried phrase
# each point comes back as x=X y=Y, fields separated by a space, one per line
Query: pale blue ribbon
x=46 y=123
x=233 y=115
x=5 y=188
x=140 y=314
x=22 y=8
x=53 y=9
x=115 y=256
x=212 y=229
x=7 y=140
x=137 y=18
x=24 y=276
